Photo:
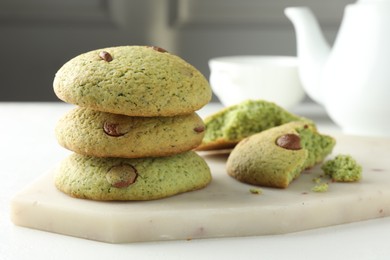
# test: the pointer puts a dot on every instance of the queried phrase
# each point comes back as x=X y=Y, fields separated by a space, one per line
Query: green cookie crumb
x=343 y=168
x=256 y=191
x=320 y=187
x=317 y=180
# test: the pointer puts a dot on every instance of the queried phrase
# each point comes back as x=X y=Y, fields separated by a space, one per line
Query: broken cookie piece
x=259 y=160
x=229 y=126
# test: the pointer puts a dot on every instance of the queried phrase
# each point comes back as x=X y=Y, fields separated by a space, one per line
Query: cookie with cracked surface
x=90 y=132
x=134 y=81
x=277 y=156
x=122 y=179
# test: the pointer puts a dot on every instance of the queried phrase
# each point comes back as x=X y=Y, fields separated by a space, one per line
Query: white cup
x=272 y=78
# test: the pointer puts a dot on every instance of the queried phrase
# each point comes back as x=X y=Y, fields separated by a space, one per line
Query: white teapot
x=352 y=81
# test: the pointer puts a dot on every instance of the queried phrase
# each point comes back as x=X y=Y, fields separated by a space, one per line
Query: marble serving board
x=226 y=208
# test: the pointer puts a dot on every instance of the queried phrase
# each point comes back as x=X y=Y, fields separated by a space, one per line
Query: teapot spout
x=312 y=49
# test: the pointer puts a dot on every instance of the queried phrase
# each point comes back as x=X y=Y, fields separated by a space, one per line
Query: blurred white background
x=37 y=37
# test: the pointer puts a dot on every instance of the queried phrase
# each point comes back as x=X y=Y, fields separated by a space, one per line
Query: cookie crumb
x=317 y=180
x=320 y=187
x=256 y=191
x=343 y=168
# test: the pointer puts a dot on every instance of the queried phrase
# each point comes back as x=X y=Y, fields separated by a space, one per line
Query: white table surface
x=28 y=149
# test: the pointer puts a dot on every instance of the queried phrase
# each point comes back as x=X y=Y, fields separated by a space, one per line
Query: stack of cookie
x=134 y=126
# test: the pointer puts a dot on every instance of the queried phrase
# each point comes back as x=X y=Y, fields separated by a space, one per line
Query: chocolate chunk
x=199 y=129
x=105 y=56
x=122 y=176
x=289 y=141
x=159 y=49
x=112 y=129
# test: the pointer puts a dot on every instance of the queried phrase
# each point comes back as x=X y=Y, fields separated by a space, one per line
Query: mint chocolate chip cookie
x=229 y=126
x=131 y=179
x=90 y=132
x=277 y=156
x=134 y=81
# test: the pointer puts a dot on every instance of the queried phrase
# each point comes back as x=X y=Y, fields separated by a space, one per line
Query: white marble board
x=226 y=208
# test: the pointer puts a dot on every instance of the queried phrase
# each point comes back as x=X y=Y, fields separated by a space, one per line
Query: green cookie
x=90 y=132
x=277 y=156
x=229 y=126
x=131 y=179
x=134 y=81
